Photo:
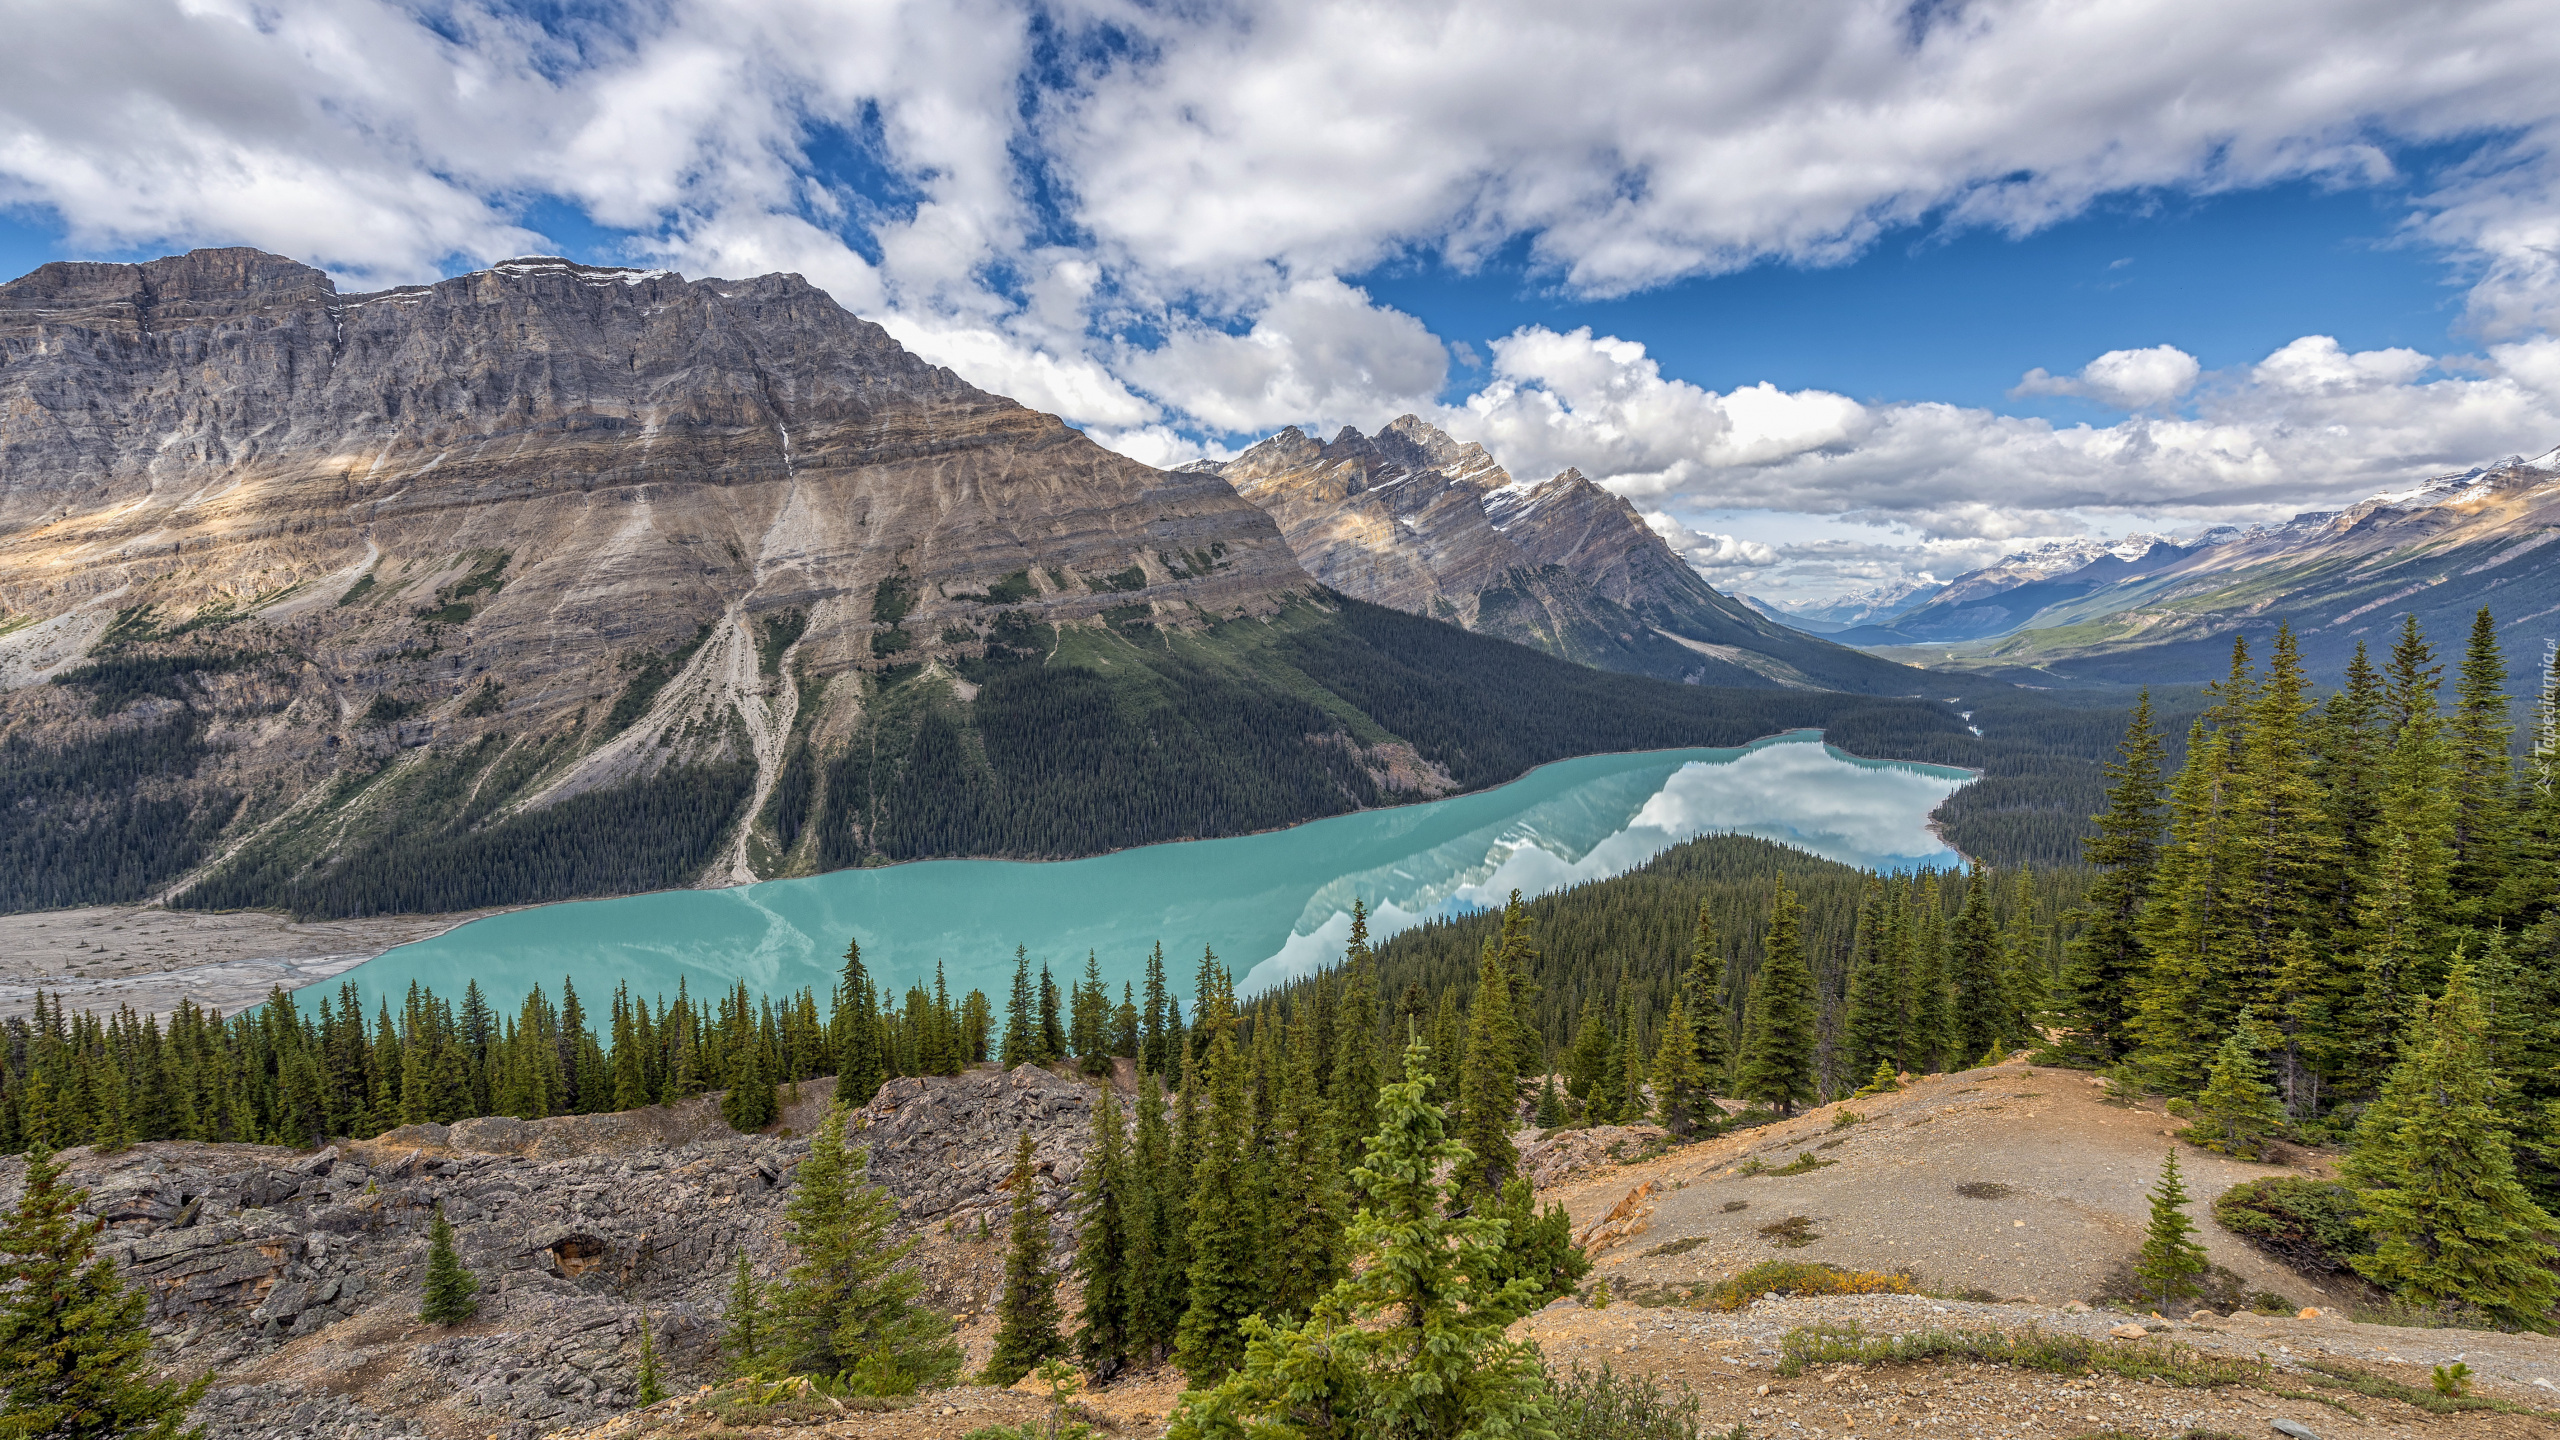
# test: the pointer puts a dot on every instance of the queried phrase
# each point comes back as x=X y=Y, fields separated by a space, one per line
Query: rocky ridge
x=1413 y=519
x=295 y=1275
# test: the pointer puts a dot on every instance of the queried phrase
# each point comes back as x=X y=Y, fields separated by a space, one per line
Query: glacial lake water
x=1273 y=905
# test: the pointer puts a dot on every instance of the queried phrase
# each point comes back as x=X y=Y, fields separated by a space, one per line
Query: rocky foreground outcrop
x=295 y=1277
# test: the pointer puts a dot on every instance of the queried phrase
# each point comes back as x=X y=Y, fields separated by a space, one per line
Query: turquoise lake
x=1272 y=905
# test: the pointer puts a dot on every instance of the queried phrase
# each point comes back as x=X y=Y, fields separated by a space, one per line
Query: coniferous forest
x=2336 y=919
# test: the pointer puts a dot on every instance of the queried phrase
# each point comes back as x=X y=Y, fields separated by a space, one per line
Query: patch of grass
x=2394 y=1311
x=1984 y=1190
x=1800 y=1277
x=1676 y=1247
x=1795 y=1232
x=2329 y=1375
x=1133 y=578
x=1732 y=1205
x=1803 y=1164
x=1604 y=1405
x=357 y=591
x=776 y=633
x=2031 y=1349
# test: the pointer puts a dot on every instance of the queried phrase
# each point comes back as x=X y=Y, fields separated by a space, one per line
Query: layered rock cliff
x=1413 y=519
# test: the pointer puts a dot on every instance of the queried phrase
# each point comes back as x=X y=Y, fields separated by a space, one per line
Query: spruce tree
x=75 y=1355
x=1701 y=995
x=1778 y=1055
x=857 y=1041
x=1924 y=1046
x=2237 y=1114
x=1228 y=1224
x=1021 y=1044
x=1102 y=1268
x=1586 y=1063
x=2190 y=927
x=1027 y=1314
x=1627 y=1077
x=1158 y=1285
x=1308 y=1206
x=2482 y=794
x=751 y=1101
x=1491 y=1088
x=851 y=1306
x=2171 y=1259
x=453 y=1292
x=1356 y=1073
x=1980 y=1018
x=648 y=1386
x=1411 y=1342
x=1872 y=1024
x=1550 y=1112
x=1679 y=1085
x=2450 y=1222
x=1883 y=1082
x=745 y=1342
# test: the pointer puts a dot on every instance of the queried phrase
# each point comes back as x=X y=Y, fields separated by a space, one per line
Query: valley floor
x=101 y=956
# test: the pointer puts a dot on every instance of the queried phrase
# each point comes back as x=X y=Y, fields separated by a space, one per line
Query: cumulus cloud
x=2126 y=379
x=1137 y=216
x=1711 y=553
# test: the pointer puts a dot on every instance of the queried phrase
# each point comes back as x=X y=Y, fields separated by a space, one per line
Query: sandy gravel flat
x=103 y=956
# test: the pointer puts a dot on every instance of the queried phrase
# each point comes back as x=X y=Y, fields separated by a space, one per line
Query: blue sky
x=1775 y=275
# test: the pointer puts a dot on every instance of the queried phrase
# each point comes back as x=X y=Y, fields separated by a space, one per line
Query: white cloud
x=1318 y=353
x=2126 y=379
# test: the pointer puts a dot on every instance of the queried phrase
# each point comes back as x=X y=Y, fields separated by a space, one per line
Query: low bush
x=2309 y=1225
x=2029 y=1349
x=1604 y=1405
x=1801 y=1277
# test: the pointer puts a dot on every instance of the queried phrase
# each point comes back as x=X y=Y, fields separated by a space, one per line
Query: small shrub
x=1803 y=1164
x=1676 y=1247
x=2309 y=1225
x=2031 y=1349
x=1604 y=1405
x=1800 y=1277
x=2453 y=1381
x=1847 y=1118
x=1794 y=1233
x=1730 y=1206
x=1984 y=1190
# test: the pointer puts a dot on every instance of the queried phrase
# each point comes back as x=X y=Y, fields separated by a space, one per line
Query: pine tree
x=1872 y=1024
x=1158 y=1284
x=1027 y=1315
x=1981 y=1017
x=2450 y=1222
x=1356 y=1075
x=650 y=1388
x=850 y=1306
x=1308 y=1207
x=751 y=1101
x=1701 y=996
x=857 y=1040
x=1490 y=1091
x=1586 y=1063
x=1626 y=1070
x=745 y=1342
x=2171 y=1259
x=2481 y=797
x=1411 y=1342
x=1550 y=1112
x=2237 y=1114
x=1102 y=1267
x=2189 y=928
x=453 y=1292
x=1021 y=1045
x=1228 y=1224
x=1924 y=1044
x=1679 y=1085
x=75 y=1355
x=1882 y=1082
x=1778 y=1054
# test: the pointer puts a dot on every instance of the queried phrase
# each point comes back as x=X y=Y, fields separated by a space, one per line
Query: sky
x=1840 y=293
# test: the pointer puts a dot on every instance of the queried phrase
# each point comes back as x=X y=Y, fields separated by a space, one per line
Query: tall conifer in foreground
x=1228 y=1224
x=744 y=1343
x=75 y=1356
x=1679 y=1086
x=1102 y=1267
x=1701 y=995
x=1871 y=1028
x=1411 y=1343
x=1027 y=1315
x=1490 y=1090
x=1778 y=1054
x=850 y=1306
x=2450 y=1222
x=1981 y=1018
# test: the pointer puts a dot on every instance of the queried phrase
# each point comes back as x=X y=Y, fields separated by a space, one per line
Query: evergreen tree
x=1356 y=1075
x=745 y=1342
x=1872 y=1025
x=1154 y=1038
x=650 y=1388
x=1228 y=1224
x=2237 y=1114
x=1626 y=1070
x=2190 y=928
x=2450 y=1222
x=1158 y=1285
x=1924 y=1043
x=1490 y=1096
x=857 y=1041
x=1308 y=1208
x=1701 y=994
x=1550 y=1112
x=1021 y=1045
x=1102 y=1265
x=1411 y=1342
x=453 y=1292
x=1027 y=1315
x=1882 y=1082
x=1586 y=1063
x=2482 y=793
x=75 y=1355
x=1980 y=1018
x=2171 y=1259
x=1053 y=1030
x=1679 y=1085
x=751 y=1101
x=1778 y=1054
x=850 y=1306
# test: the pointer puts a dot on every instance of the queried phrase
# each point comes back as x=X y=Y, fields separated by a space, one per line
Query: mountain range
x=553 y=579
x=2147 y=609
x=1412 y=519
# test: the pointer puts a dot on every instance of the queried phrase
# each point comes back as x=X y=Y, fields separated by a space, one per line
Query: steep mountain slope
x=1412 y=519
x=2440 y=550
x=553 y=580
